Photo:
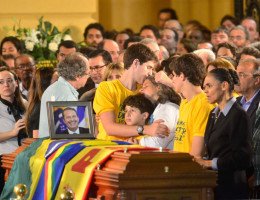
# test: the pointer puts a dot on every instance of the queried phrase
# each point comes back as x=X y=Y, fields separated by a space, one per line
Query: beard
x=27 y=82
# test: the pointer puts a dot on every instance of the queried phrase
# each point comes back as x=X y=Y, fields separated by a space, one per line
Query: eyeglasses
x=96 y=68
x=244 y=75
x=7 y=81
x=236 y=37
x=25 y=65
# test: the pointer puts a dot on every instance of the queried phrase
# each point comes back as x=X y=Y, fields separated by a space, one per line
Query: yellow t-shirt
x=109 y=97
x=193 y=117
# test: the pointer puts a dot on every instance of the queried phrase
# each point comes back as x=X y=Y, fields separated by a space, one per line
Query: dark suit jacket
x=81 y=131
x=88 y=86
x=228 y=140
x=251 y=111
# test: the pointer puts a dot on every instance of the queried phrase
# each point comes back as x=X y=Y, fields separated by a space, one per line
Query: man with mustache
x=93 y=34
x=24 y=68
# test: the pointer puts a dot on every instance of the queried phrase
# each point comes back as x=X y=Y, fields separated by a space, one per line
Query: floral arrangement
x=42 y=42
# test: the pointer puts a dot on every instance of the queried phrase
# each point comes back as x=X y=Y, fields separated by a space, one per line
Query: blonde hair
x=113 y=66
x=221 y=63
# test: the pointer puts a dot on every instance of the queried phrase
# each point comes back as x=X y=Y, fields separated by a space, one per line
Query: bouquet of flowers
x=42 y=42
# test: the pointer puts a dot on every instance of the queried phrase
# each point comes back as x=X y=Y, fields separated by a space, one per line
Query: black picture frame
x=57 y=126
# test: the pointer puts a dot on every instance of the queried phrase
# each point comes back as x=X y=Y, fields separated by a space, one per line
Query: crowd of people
x=181 y=87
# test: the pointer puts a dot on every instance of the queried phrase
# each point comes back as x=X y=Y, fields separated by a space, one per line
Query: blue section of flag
x=56 y=171
x=59 y=164
x=54 y=146
x=121 y=142
x=39 y=192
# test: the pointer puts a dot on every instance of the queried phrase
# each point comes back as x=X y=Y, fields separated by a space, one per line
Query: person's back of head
x=188 y=46
x=206 y=54
x=249 y=52
x=73 y=66
x=220 y=63
x=86 y=51
x=191 y=66
x=132 y=40
x=140 y=52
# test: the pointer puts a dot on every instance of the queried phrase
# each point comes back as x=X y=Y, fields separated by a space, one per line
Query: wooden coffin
x=153 y=176
x=144 y=175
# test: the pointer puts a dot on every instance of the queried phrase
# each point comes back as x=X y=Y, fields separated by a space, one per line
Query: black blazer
x=228 y=140
x=251 y=111
x=81 y=131
x=88 y=86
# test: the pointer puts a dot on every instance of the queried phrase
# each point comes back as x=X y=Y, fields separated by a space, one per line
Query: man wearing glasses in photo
x=98 y=60
x=24 y=68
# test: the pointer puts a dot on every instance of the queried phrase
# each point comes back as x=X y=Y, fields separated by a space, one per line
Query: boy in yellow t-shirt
x=188 y=74
x=139 y=62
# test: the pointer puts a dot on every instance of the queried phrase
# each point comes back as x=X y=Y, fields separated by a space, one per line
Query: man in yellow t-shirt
x=188 y=74
x=139 y=62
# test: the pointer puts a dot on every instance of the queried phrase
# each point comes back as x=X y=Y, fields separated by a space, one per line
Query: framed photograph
x=70 y=120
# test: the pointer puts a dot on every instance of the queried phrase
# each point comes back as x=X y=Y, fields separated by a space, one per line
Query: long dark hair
x=40 y=82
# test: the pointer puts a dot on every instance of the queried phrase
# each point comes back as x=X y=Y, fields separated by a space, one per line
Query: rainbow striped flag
x=66 y=163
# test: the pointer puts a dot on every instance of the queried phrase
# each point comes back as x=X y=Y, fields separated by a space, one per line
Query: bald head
x=112 y=47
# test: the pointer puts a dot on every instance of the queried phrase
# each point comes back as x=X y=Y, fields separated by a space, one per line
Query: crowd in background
x=184 y=87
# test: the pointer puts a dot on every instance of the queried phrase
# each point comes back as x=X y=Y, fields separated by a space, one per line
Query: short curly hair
x=74 y=65
x=191 y=66
x=140 y=102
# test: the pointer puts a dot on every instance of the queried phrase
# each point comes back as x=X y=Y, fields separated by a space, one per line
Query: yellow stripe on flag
x=78 y=172
x=36 y=164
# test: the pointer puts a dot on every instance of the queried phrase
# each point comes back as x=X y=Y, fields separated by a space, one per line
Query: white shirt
x=169 y=112
x=73 y=132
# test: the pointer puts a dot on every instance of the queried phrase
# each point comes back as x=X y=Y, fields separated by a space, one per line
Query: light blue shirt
x=225 y=111
x=245 y=104
x=61 y=90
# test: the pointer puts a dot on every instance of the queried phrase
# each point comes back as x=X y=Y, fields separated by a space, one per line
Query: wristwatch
x=140 y=130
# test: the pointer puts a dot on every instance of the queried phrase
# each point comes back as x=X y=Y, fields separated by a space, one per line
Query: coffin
x=146 y=174
x=152 y=175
